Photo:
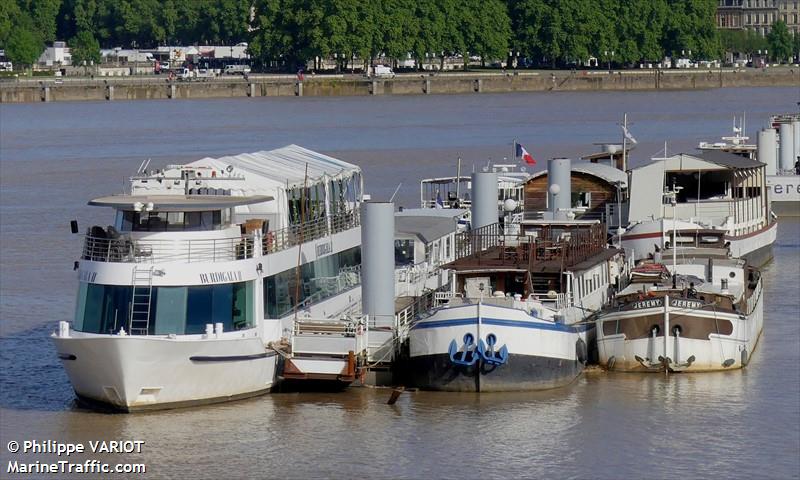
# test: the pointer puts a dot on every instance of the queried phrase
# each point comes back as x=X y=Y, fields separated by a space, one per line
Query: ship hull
x=709 y=340
x=132 y=373
x=541 y=354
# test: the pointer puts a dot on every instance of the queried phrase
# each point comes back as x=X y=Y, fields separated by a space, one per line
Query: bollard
x=298 y=89
x=46 y=94
x=109 y=92
x=251 y=90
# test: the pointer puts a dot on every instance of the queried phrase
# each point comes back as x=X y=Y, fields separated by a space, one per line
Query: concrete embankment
x=131 y=88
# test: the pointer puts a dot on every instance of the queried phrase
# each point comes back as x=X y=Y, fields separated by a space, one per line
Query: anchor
x=488 y=352
x=646 y=363
x=468 y=356
x=677 y=365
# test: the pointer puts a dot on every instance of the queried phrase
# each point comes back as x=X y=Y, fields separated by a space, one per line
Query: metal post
x=666 y=332
x=625 y=140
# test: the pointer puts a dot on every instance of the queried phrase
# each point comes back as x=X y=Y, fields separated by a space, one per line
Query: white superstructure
x=207 y=266
x=716 y=190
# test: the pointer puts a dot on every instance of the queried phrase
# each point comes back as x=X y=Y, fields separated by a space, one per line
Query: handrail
x=293 y=235
x=127 y=250
x=491 y=243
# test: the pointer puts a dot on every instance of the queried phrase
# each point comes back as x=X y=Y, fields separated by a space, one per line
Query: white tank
x=559 y=172
x=796 y=131
x=377 y=262
x=786 y=146
x=484 y=199
x=767 y=149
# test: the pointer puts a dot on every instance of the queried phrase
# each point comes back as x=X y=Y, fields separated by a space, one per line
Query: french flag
x=523 y=154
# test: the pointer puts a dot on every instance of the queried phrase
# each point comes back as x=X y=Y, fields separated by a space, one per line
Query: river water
x=55 y=157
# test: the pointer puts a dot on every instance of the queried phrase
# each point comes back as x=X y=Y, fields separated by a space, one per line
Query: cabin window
x=403 y=252
x=316 y=281
x=581 y=199
x=173 y=310
x=699 y=185
x=171 y=221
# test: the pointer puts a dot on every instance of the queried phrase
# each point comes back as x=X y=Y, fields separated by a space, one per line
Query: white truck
x=237 y=69
x=196 y=74
x=381 y=71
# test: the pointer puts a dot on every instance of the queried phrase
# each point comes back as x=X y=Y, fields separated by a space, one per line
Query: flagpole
x=514 y=150
x=458 y=181
x=624 y=142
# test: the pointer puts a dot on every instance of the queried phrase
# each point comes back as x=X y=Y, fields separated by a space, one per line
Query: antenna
x=395 y=191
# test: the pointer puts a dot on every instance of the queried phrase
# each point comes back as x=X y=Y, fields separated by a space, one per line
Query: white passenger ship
x=206 y=266
x=717 y=190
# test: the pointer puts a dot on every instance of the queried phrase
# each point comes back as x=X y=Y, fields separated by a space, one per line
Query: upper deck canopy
x=177 y=203
x=285 y=166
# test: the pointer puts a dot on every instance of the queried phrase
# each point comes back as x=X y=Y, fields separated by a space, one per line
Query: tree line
x=288 y=33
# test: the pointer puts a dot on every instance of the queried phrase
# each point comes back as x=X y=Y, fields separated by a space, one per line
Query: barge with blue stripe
x=519 y=316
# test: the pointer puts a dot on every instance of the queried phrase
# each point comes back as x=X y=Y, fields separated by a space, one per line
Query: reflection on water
x=731 y=424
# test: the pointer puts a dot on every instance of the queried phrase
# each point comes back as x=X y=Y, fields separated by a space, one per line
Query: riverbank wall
x=154 y=87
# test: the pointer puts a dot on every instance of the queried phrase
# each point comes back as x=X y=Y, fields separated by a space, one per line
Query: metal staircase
x=142 y=281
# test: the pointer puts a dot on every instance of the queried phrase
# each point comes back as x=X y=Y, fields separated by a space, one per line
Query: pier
x=30 y=90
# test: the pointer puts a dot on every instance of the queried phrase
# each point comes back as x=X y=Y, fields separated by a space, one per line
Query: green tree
x=528 y=22
x=44 y=13
x=691 y=26
x=85 y=49
x=640 y=30
x=428 y=43
x=24 y=45
x=9 y=13
x=780 y=42
x=486 y=29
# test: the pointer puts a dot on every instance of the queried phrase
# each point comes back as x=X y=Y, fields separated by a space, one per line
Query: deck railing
x=490 y=245
x=124 y=249
x=277 y=240
x=127 y=250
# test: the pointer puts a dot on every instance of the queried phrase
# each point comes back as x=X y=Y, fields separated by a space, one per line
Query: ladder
x=142 y=283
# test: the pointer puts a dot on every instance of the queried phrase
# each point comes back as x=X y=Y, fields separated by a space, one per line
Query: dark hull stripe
x=520 y=373
x=103 y=405
x=560 y=327
x=232 y=358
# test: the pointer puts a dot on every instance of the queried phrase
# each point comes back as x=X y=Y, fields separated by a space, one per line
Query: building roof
x=605 y=172
x=426 y=227
x=726 y=159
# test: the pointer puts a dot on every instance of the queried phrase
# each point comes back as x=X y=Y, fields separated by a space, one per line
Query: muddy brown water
x=54 y=157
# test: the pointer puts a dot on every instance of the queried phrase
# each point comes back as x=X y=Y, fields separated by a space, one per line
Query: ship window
x=103 y=308
x=173 y=310
x=316 y=281
x=403 y=252
x=170 y=221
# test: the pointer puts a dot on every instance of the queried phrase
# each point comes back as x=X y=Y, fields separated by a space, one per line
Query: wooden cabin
x=593 y=186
